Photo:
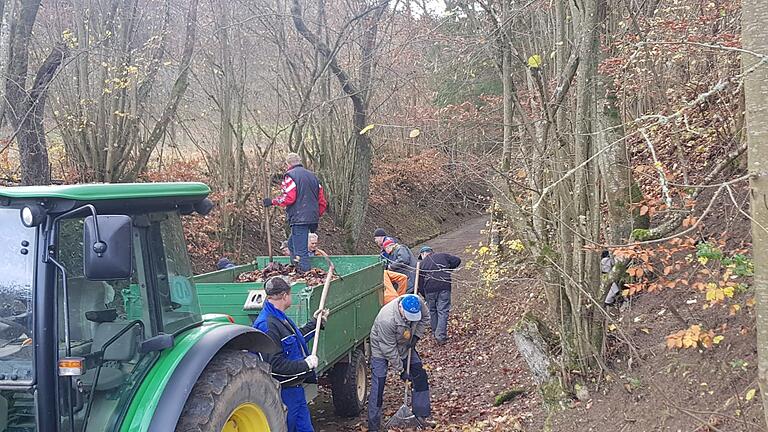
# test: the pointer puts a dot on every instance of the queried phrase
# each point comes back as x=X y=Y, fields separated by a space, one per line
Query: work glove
x=322 y=315
x=412 y=342
x=311 y=361
x=405 y=376
x=267 y=202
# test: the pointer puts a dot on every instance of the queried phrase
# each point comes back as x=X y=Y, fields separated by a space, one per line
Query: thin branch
x=738 y=207
x=659 y=168
x=710 y=46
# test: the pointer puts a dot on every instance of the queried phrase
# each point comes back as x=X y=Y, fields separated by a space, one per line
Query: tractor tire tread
x=231 y=376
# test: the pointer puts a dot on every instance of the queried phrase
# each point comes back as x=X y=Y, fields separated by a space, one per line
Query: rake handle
x=265 y=179
x=416 y=284
x=323 y=296
x=407 y=371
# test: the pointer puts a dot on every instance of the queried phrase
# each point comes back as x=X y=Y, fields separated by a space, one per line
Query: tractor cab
x=95 y=282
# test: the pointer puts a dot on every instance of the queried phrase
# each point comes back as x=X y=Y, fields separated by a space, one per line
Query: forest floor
x=479 y=362
x=650 y=388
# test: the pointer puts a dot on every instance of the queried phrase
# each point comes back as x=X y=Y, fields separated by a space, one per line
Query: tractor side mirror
x=107 y=247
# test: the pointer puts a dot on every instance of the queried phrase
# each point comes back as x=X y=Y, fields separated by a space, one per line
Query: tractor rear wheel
x=349 y=385
x=235 y=393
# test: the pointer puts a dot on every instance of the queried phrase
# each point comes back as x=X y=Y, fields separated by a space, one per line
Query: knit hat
x=379 y=232
x=387 y=243
x=276 y=285
x=224 y=263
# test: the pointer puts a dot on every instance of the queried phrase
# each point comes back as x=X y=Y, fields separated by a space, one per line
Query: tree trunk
x=507 y=89
x=3 y=50
x=755 y=38
x=358 y=95
x=25 y=109
x=616 y=171
x=621 y=190
x=583 y=280
x=177 y=93
x=535 y=342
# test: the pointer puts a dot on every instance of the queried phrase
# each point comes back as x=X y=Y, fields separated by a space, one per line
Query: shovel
x=272 y=265
x=404 y=417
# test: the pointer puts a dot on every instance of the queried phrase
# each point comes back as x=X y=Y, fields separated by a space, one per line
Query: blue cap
x=425 y=249
x=411 y=305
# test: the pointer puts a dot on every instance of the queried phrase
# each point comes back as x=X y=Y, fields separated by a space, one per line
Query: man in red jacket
x=304 y=202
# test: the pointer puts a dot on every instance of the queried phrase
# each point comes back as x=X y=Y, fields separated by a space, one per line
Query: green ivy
x=742 y=265
x=708 y=251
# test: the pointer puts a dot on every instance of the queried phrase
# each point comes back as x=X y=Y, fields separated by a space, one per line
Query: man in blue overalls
x=294 y=364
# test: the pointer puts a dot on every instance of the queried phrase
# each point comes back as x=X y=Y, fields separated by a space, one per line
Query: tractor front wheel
x=235 y=393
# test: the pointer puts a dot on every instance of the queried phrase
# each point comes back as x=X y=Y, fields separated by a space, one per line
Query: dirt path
x=478 y=363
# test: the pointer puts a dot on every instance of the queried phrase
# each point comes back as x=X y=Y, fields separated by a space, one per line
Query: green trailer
x=102 y=329
x=354 y=299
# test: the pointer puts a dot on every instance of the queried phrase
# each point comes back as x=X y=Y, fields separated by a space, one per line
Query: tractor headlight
x=32 y=216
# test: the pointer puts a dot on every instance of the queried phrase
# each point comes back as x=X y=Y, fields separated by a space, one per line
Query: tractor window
x=176 y=290
x=16 y=273
x=92 y=303
x=107 y=321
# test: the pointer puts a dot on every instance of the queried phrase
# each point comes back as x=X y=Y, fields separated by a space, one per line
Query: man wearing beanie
x=304 y=202
x=294 y=364
x=401 y=260
x=380 y=236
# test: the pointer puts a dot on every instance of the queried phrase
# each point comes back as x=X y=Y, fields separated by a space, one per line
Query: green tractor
x=100 y=324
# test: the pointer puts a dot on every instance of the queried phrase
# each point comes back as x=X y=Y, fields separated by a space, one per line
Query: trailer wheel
x=349 y=385
x=235 y=392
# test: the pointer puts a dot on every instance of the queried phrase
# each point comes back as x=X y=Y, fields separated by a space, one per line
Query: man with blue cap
x=397 y=328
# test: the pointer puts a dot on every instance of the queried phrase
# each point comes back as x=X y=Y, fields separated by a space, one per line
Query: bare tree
x=109 y=115
x=26 y=107
x=359 y=95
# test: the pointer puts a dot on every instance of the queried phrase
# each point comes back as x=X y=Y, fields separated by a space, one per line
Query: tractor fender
x=190 y=368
